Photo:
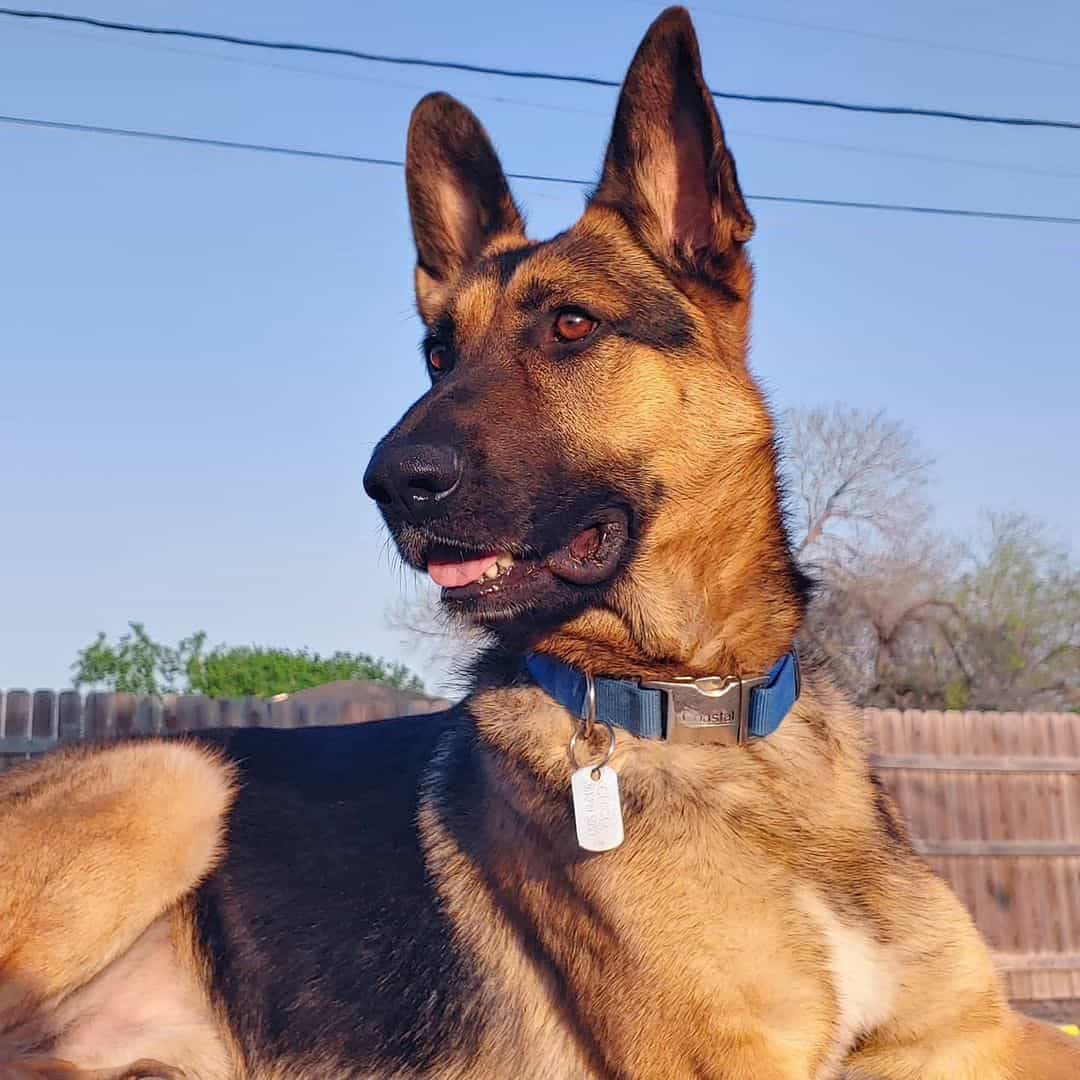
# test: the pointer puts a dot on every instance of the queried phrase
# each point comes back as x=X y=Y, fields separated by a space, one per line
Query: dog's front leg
x=1018 y=1049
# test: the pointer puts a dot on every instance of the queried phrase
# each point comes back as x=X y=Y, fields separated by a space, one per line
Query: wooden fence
x=993 y=803
x=32 y=723
x=992 y=800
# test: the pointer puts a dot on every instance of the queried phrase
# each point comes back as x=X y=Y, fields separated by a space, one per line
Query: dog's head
x=592 y=469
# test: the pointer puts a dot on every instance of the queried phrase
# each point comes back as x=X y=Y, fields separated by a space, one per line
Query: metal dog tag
x=597 y=807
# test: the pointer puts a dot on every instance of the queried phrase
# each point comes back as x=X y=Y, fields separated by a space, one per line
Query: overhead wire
x=363 y=159
x=546 y=106
x=527 y=74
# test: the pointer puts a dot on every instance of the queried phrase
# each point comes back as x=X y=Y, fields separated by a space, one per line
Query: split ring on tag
x=607 y=755
x=590 y=704
x=588 y=723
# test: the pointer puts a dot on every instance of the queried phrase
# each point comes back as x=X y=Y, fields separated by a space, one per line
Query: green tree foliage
x=235 y=672
x=1016 y=634
x=136 y=663
x=998 y=629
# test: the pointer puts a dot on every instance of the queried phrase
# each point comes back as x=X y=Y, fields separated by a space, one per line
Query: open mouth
x=494 y=581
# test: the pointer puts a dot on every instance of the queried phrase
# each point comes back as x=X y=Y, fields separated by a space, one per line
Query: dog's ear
x=667 y=169
x=458 y=196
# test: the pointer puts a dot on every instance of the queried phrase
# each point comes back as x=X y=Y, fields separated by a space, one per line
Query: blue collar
x=726 y=710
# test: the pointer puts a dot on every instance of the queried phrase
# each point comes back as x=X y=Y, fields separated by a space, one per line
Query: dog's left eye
x=573 y=325
x=440 y=359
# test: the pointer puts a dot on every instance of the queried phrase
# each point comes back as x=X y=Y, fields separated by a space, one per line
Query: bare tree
x=907 y=616
x=857 y=480
x=860 y=524
x=886 y=619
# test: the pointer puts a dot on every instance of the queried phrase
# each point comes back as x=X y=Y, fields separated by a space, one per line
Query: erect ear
x=667 y=169
x=458 y=196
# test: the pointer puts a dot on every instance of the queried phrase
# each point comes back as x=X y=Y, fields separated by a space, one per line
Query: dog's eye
x=573 y=325
x=440 y=359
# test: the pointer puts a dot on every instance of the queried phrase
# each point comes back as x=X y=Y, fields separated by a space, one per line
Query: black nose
x=415 y=478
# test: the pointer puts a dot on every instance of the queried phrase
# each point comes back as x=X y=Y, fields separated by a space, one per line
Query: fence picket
x=69 y=716
x=17 y=714
x=256 y=712
x=17 y=710
x=169 y=721
x=124 y=713
x=189 y=715
x=230 y=713
x=283 y=713
x=146 y=716
x=42 y=715
x=100 y=716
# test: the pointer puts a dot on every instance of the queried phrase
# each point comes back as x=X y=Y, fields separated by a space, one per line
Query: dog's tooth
x=504 y=562
x=491 y=572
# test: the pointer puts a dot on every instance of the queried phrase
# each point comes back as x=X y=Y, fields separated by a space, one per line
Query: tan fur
x=865 y=976
x=765 y=918
x=755 y=923
x=673 y=920
x=149 y=1003
x=705 y=429
x=96 y=845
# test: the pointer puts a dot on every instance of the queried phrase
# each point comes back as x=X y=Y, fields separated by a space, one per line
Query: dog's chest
x=678 y=952
x=646 y=961
x=864 y=975
x=681 y=975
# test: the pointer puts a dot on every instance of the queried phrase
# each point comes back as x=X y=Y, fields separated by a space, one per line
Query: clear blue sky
x=198 y=348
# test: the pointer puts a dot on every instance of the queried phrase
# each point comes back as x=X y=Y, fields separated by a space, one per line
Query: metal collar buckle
x=711 y=710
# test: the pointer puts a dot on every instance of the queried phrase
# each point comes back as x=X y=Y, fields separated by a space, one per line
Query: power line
x=324 y=73
x=517 y=73
x=733 y=133
x=361 y=159
x=194 y=140
x=942 y=211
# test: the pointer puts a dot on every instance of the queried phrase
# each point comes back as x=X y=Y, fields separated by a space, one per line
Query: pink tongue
x=451 y=575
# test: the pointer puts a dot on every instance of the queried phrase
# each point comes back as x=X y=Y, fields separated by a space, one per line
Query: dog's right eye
x=440 y=359
x=573 y=325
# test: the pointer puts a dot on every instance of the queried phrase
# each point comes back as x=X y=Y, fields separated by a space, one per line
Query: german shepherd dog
x=591 y=478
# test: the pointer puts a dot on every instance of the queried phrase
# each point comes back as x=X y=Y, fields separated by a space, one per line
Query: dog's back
x=321 y=926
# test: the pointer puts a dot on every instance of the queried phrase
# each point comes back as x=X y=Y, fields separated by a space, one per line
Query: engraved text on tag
x=597 y=808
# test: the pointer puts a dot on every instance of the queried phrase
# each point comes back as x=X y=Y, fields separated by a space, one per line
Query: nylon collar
x=717 y=709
